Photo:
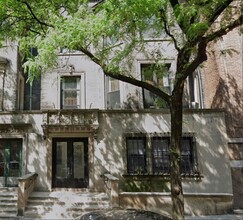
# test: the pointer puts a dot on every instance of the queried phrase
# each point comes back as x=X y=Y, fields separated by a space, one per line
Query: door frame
x=70 y=182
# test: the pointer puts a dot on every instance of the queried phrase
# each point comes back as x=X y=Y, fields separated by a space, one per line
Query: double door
x=70 y=163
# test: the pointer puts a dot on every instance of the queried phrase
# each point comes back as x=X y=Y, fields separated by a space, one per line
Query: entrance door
x=10 y=161
x=70 y=163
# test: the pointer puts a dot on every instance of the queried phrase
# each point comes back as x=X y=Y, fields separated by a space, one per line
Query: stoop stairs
x=64 y=205
x=8 y=202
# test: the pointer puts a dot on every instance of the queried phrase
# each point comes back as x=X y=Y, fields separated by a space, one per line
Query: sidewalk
x=216 y=217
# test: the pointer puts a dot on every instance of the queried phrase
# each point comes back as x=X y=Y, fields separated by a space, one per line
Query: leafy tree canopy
x=113 y=30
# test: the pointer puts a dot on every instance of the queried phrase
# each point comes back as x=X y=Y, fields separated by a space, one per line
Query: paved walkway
x=216 y=217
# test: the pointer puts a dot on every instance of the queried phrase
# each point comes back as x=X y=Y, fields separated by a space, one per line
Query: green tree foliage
x=112 y=32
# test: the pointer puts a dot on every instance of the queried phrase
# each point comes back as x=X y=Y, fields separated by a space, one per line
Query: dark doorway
x=70 y=163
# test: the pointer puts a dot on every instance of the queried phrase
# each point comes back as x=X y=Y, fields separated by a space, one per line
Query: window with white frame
x=70 y=92
x=157 y=75
x=151 y=155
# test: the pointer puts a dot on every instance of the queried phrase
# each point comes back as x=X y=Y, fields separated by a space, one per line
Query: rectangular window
x=158 y=75
x=187 y=156
x=160 y=155
x=113 y=93
x=32 y=91
x=136 y=155
x=158 y=152
x=70 y=92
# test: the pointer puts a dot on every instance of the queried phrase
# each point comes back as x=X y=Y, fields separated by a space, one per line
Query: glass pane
x=1 y=158
x=113 y=84
x=71 y=82
x=61 y=160
x=186 y=156
x=71 y=92
x=70 y=98
x=161 y=157
x=78 y=159
x=136 y=155
x=157 y=75
x=14 y=158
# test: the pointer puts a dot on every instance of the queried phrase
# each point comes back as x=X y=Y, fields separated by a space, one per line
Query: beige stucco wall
x=109 y=150
x=9 y=78
x=211 y=143
x=107 y=153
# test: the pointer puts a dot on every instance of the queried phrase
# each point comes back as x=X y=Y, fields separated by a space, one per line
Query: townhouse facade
x=74 y=126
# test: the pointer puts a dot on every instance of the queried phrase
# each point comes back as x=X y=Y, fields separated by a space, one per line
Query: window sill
x=196 y=176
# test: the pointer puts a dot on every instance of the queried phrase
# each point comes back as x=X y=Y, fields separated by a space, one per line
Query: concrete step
x=8 y=189
x=238 y=211
x=63 y=205
x=8 y=202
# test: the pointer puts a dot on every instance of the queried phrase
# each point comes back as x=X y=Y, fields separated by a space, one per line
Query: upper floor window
x=195 y=90
x=70 y=92
x=32 y=94
x=152 y=155
x=113 y=93
x=157 y=75
x=32 y=91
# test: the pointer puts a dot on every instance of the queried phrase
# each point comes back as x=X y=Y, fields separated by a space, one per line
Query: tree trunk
x=175 y=155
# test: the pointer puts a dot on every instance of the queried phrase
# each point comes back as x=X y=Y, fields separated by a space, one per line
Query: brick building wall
x=222 y=76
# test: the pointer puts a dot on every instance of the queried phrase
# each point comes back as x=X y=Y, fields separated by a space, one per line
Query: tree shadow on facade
x=229 y=97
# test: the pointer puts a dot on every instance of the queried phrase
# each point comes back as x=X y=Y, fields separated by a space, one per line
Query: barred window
x=188 y=160
x=136 y=155
x=139 y=153
x=160 y=155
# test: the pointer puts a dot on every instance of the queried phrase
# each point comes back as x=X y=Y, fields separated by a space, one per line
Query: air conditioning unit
x=113 y=100
x=194 y=105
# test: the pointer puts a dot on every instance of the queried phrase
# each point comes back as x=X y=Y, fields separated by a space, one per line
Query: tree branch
x=34 y=16
x=201 y=50
x=155 y=90
x=219 y=10
x=221 y=32
x=174 y=3
x=125 y=78
x=167 y=31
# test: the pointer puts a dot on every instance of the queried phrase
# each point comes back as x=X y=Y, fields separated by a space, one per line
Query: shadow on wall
x=229 y=97
x=211 y=147
x=28 y=128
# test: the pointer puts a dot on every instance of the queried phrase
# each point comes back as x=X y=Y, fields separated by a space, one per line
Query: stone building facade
x=74 y=125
